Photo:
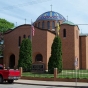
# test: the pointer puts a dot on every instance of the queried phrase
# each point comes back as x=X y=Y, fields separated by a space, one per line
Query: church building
x=74 y=45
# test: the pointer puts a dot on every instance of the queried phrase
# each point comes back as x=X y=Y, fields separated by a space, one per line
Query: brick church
x=74 y=45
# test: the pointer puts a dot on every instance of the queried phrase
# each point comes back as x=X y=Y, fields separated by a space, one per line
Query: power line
x=81 y=24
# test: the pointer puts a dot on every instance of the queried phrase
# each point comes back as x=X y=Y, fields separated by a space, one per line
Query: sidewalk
x=52 y=83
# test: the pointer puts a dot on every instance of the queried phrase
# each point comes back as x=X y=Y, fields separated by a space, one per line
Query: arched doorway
x=39 y=57
x=12 y=61
x=38 y=66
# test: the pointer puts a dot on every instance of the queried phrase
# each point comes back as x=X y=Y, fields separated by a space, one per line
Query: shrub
x=25 y=55
x=55 y=60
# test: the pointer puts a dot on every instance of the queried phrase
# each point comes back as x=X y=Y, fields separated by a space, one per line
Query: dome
x=51 y=15
x=68 y=22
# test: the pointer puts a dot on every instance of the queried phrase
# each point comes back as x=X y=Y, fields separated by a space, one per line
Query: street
x=27 y=86
x=43 y=84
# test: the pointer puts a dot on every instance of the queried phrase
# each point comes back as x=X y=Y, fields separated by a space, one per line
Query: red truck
x=8 y=75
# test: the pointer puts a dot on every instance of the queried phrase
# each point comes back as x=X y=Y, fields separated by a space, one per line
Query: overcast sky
x=19 y=10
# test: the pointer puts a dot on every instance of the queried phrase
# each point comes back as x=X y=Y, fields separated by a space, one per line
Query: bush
x=55 y=60
x=25 y=55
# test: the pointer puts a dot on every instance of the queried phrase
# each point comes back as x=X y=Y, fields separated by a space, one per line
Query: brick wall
x=50 y=38
x=11 y=42
x=87 y=52
x=69 y=45
x=45 y=23
x=42 y=42
x=40 y=45
x=82 y=50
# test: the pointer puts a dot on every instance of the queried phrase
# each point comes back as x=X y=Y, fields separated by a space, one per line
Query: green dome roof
x=68 y=22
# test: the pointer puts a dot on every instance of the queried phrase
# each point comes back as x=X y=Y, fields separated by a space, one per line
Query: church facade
x=74 y=45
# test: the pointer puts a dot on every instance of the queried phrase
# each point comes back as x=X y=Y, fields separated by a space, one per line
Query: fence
x=81 y=74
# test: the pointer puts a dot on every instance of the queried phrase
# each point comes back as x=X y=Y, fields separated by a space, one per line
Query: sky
x=16 y=11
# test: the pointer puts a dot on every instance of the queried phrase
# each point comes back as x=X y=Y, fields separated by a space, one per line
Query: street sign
x=76 y=62
x=76 y=65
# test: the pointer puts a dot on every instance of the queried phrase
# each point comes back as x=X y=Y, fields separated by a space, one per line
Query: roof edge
x=10 y=30
x=28 y=25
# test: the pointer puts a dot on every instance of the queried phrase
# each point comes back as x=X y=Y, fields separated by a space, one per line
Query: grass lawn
x=64 y=74
x=73 y=74
x=30 y=74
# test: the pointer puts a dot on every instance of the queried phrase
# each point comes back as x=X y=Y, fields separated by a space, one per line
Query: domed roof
x=51 y=15
x=68 y=22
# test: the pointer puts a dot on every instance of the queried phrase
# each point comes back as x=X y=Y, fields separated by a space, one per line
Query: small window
x=35 y=24
x=48 y=25
x=19 y=42
x=38 y=57
x=29 y=37
x=39 y=25
x=64 y=32
x=43 y=25
x=24 y=36
x=53 y=25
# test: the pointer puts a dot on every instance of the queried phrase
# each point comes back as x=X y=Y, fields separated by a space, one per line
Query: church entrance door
x=12 y=61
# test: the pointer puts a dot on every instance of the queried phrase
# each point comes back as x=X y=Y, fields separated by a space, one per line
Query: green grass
x=74 y=74
x=44 y=75
x=81 y=74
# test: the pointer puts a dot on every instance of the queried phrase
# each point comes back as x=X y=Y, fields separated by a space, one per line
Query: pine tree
x=55 y=60
x=25 y=55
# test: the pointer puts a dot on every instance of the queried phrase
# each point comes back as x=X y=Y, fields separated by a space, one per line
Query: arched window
x=35 y=24
x=29 y=37
x=19 y=41
x=43 y=25
x=48 y=25
x=24 y=36
x=38 y=57
x=53 y=25
x=64 y=32
x=39 y=25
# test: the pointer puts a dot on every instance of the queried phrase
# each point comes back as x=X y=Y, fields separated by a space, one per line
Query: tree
x=5 y=25
x=25 y=55
x=55 y=60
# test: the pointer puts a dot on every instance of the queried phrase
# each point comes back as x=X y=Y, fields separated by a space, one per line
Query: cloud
x=17 y=11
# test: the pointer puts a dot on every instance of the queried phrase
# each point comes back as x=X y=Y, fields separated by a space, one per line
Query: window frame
x=64 y=33
x=48 y=24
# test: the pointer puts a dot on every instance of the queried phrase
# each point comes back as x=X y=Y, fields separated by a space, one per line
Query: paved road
x=27 y=86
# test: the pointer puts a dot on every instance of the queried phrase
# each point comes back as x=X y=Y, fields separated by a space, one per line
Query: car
x=8 y=75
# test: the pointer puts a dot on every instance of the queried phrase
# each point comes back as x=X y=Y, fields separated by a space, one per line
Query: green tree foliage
x=5 y=25
x=55 y=60
x=25 y=55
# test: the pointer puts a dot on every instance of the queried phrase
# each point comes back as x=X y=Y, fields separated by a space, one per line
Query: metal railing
x=81 y=74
